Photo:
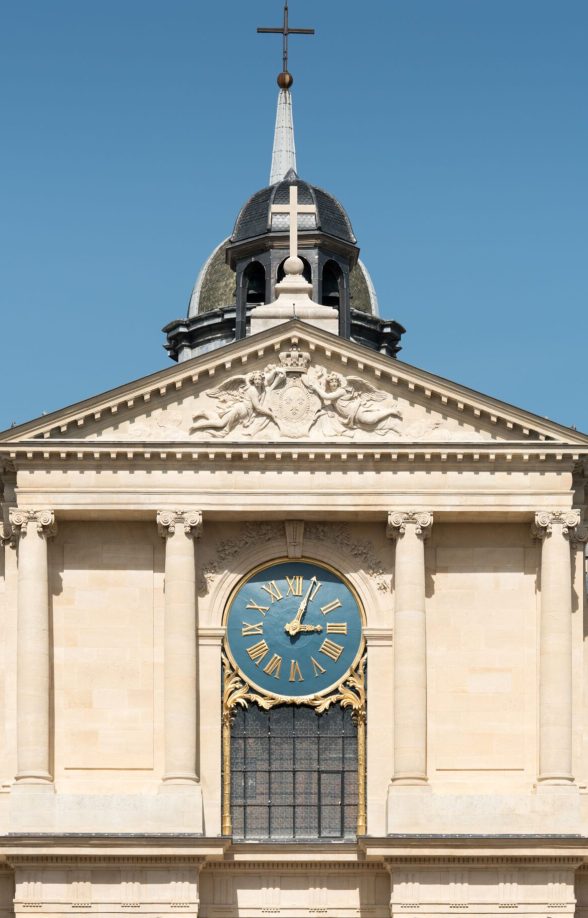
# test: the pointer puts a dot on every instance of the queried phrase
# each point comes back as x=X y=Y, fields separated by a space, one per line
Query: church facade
x=292 y=627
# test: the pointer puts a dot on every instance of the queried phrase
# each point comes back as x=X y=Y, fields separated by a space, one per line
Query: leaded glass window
x=294 y=773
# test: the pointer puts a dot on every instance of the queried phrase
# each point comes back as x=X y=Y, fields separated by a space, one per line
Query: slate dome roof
x=215 y=286
x=256 y=219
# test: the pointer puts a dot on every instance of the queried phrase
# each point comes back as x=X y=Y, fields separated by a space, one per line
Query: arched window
x=254 y=282
x=331 y=285
x=294 y=773
x=307 y=271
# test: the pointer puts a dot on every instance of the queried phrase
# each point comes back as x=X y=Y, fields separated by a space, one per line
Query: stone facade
x=129 y=520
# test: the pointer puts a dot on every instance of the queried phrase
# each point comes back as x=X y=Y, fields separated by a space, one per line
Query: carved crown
x=295 y=359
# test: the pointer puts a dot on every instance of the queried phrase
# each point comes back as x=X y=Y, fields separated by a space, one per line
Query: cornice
x=409 y=381
x=508 y=453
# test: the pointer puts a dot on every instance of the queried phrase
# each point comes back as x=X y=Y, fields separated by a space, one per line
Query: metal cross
x=287 y=31
x=293 y=209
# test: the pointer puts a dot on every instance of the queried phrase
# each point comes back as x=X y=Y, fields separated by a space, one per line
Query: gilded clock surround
x=349 y=691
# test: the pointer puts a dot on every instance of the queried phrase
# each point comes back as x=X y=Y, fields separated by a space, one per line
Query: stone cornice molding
x=42 y=520
x=569 y=520
x=449 y=396
x=190 y=520
x=502 y=454
x=398 y=520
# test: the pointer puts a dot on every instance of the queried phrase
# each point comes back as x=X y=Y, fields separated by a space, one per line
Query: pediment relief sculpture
x=296 y=399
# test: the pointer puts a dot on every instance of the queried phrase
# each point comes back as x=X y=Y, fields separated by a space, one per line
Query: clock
x=294 y=629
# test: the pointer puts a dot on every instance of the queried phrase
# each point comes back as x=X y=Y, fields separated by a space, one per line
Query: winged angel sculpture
x=299 y=400
x=349 y=403
x=239 y=402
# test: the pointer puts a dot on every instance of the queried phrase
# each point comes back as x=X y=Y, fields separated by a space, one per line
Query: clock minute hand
x=294 y=626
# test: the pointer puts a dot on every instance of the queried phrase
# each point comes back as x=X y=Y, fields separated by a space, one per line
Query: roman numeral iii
x=336 y=628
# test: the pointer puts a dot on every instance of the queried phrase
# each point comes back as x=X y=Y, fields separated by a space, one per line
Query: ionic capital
x=545 y=520
x=42 y=520
x=422 y=520
x=190 y=520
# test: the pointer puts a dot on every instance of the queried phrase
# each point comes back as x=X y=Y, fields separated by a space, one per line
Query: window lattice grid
x=294 y=773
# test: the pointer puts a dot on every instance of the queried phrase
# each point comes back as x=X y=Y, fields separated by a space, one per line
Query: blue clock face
x=294 y=629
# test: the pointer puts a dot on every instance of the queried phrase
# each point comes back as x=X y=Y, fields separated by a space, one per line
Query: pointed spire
x=284 y=153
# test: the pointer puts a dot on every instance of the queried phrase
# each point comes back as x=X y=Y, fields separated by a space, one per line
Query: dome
x=215 y=287
x=256 y=218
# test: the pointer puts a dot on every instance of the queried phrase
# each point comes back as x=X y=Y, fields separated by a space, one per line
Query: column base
x=178 y=780
x=37 y=781
x=410 y=780
x=555 y=780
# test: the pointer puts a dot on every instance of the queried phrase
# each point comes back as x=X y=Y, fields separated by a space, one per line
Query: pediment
x=293 y=384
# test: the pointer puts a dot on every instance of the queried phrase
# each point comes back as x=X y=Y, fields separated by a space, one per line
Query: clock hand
x=294 y=626
x=310 y=628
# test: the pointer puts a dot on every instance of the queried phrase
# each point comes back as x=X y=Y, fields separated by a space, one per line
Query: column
x=410 y=647
x=555 y=663
x=180 y=529
x=33 y=528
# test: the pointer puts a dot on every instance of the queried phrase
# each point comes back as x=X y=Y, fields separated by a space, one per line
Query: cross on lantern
x=293 y=209
x=286 y=31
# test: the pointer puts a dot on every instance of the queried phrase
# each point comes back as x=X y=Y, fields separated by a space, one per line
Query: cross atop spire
x=286 y=31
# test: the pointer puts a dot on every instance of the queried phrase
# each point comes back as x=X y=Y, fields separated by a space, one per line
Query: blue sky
x=454 y=132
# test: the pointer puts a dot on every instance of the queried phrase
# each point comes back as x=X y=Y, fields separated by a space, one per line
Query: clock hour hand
x=309 y=628
x=294 y=627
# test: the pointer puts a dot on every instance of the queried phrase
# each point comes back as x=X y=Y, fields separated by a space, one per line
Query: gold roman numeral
x=295 y=585
x=247 y=630
x=295 y=674
x=274 y=666
x=330 y=649
x=273 y=590
x=317 y=587
x=318 y=669
x=258 y=651
x=336 y=628
x=253 y=605
x=331 y=606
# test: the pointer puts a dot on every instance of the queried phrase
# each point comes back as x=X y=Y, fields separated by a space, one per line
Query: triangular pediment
x=292 y=384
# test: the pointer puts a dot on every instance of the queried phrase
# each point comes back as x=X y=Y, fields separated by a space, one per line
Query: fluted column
x=410 y=646
x=32 y=528
x=180 y=529
x=555 y=669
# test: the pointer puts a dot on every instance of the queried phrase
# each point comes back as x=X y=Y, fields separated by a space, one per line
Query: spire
x=284 y=153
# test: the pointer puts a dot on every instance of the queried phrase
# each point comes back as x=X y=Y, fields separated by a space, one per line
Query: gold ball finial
x=285 y=80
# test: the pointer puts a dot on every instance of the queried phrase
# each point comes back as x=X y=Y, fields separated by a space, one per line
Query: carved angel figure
x=239 y=401
x=356 y=403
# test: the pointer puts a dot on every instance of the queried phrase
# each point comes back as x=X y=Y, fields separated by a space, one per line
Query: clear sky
x=454 y=132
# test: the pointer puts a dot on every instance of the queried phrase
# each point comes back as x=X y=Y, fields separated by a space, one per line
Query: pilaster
x=555 y=530
x=409 y=530
x=32 y=529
